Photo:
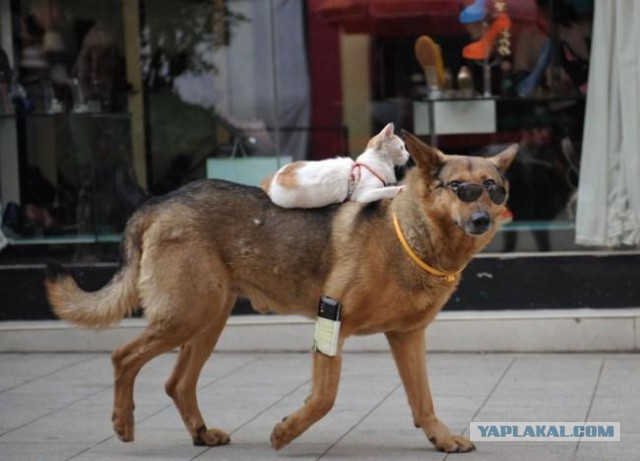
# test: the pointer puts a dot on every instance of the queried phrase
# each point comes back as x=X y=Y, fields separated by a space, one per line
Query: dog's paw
x=453 y=444
x=123 y=426
x=211 y=438
x=281 y=436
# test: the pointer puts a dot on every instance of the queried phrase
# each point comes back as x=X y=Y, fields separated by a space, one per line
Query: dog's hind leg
x=181 y=386
x=408 y=348
x=326 y=376
x=127 y=362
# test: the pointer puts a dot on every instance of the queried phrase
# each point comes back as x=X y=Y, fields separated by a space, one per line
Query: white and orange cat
x=313 y=184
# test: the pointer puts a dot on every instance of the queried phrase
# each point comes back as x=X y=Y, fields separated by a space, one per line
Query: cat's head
x=390 y=146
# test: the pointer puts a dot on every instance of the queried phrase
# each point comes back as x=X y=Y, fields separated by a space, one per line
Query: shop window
x=471 y=77
x=108 y=103
x=67 y=158
x=103 y=104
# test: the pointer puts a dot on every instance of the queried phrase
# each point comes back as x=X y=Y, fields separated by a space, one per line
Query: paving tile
x=468 y=361
x=620 y=376
x=455 y=411
x=69 y=425
x=624 y=409
x=261 y=450
x=522 y=451
x=18 y=409
x=468 y=374
x=347 y=412
x=57 y=406
x=532 y=412
x=10 y=451
x=83 y=377
x=9 y=382
x=154 y=445
x=628 y=449
x=156 y=412
x=22 y=365
x=390 y=445
x=551 y=375
x=367 y=364
x=387 y=432
x=533 y=405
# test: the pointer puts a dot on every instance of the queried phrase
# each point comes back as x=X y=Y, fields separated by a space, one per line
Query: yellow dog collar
x=449 y=277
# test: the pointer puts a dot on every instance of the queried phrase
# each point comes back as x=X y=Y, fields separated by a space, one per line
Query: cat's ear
x=385 y=134
x=387 y=131
x=428 y=159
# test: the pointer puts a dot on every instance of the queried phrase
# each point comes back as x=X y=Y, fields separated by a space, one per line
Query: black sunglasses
x=470 y=192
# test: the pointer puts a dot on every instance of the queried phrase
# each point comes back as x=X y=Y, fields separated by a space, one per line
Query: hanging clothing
x=608 y=211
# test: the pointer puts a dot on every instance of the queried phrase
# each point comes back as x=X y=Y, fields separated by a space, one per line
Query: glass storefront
x=67 y=125
x=106 y=103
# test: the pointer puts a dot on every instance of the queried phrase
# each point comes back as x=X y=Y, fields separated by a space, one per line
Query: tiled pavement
x=58 y=406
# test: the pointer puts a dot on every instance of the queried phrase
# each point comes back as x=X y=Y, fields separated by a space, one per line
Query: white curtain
x=262 y=77
x=609 y=194
x=253 y=64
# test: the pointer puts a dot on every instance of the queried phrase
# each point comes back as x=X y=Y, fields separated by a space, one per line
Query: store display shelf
x=65 y=239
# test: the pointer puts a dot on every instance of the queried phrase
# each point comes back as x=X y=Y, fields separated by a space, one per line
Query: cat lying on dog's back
x=312 y=184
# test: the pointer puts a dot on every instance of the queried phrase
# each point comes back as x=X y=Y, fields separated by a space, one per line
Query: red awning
x=407 y=17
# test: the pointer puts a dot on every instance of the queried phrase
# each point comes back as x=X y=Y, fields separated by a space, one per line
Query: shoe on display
x=481 y=49
x=475 y=12
x=429 y=56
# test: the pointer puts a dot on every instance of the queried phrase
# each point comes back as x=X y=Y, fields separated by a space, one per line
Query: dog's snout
x=480 y=218
x=480 y=222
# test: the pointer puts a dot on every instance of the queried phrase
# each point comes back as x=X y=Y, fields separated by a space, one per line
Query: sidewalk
x=58 y=406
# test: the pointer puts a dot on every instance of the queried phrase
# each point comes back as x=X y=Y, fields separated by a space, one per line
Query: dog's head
x=470 y=191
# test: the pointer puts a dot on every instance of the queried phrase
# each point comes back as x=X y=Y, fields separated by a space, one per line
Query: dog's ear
x=428 y=159
x=504 y=158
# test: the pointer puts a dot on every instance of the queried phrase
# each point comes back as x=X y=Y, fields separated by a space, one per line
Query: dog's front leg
x=408 y=350
x=326 y=376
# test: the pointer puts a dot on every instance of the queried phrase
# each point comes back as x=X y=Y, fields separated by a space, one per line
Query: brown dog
x=188 y=255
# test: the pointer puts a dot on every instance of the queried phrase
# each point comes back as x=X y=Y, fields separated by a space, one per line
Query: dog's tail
x=111 y=303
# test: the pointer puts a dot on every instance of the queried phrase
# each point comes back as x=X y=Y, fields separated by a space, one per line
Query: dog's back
x=254 y=242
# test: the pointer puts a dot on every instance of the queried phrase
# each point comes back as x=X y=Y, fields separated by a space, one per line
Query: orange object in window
x=482 y=48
